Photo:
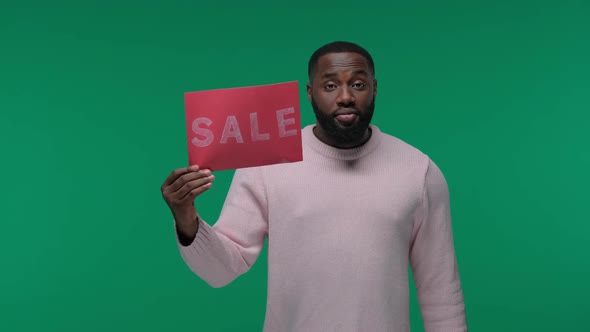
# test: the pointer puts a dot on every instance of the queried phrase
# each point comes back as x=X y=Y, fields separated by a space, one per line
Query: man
x=342 y=225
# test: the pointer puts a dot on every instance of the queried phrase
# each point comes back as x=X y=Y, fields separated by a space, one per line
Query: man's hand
x=180 y=189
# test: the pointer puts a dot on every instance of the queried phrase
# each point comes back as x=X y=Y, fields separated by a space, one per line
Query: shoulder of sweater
x=399 y=146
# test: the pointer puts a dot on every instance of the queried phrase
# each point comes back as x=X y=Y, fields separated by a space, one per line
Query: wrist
x=184 y=218
x=187 y=232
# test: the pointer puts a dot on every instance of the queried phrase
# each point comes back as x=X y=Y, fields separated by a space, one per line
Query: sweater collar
x=326 y=150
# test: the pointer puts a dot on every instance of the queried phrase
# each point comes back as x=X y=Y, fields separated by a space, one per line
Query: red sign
x=243 y=127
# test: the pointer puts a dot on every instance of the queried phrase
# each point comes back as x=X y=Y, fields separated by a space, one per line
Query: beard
x=349 y=134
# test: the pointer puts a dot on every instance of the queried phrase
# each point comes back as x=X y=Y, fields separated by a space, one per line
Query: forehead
x=335 y=62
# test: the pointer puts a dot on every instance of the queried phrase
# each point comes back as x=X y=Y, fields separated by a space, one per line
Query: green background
x=92 y=121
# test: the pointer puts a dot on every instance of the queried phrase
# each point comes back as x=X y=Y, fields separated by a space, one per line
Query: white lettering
x=282 y=122
x=231 y=129
x=208 y=134
x=256 y=135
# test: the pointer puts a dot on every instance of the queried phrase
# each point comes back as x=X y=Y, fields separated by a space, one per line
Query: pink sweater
x=342 y=227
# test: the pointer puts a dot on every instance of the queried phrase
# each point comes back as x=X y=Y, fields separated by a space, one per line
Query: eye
x=359 y=85
x=330 y=86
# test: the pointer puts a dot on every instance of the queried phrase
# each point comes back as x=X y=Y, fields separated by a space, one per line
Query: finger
x=187 y=187
x=186 y=178
x=177 y=173
x=197 y=191
x=192 y=185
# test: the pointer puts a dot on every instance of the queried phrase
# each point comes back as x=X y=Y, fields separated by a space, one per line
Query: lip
x=346 y=118
x=346 y=112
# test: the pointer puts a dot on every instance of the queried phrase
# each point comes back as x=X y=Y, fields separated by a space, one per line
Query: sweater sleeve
x=221 y=253
x=433 y=259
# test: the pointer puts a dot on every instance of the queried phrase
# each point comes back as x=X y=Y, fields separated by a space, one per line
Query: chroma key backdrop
x=92 y=121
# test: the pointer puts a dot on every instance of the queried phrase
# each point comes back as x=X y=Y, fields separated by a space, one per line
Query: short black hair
x=338 y=47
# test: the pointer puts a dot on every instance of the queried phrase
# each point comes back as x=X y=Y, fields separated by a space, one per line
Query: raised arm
x=220 y=253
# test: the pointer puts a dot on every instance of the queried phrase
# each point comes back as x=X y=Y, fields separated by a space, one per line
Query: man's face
x=342 y=93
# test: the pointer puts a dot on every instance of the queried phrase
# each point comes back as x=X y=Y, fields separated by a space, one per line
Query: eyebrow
x=356 y=72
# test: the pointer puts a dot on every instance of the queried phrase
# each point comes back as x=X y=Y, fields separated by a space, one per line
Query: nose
x=345 y=98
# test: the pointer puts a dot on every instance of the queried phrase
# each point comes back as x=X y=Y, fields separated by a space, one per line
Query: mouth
x=346 y=117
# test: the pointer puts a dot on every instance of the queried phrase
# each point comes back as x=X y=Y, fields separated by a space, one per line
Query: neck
x=321 y=134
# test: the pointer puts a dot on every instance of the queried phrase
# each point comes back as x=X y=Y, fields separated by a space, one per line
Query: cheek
x=324 y=100
x=364 y=98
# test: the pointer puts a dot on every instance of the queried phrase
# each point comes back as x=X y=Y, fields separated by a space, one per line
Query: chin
x=348 y=134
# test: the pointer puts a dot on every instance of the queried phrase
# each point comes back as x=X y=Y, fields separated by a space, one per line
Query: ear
x=374 y=88
x=309 y=91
